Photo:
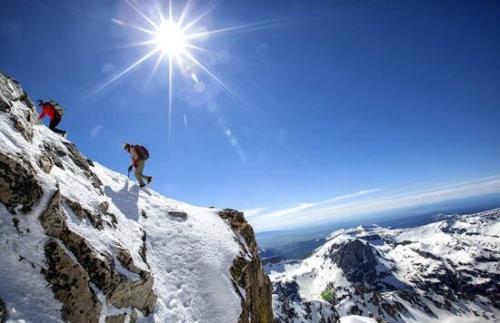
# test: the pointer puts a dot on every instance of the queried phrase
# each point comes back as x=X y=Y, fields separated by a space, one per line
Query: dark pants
x=53 y=124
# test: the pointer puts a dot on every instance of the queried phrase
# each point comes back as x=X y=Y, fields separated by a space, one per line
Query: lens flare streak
x=172 y=41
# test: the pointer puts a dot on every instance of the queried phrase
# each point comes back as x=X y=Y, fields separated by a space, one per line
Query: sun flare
x=170 y=38
x=174 y=39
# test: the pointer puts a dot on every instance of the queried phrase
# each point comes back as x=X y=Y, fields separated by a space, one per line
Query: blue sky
x=334 y=98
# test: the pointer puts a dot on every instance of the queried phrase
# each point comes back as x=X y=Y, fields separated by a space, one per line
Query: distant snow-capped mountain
x=444 y=271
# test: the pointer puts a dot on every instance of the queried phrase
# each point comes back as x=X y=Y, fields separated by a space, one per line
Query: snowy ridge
x=133 y=253
x=444 y=271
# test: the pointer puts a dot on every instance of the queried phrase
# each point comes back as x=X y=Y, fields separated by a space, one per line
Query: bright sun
x=174 y=40
x=170 y=38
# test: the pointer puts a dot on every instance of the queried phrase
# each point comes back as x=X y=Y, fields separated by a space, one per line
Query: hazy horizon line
x=366 y=202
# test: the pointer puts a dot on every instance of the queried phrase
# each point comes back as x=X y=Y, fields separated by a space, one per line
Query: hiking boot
x=142 y=185
x=150 y=178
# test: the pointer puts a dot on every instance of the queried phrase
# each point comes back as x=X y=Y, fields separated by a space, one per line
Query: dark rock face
x=247 y=273
x=83 y=164
x=119 y=290
x=82 y=213
x=291 y=308
x=143 y=250
x=22 y=126
x=46 y=162
x=357 y=261
x=105 y=214
x=121 y=318
x=4 y=106
x=24 y=117
x=458 y=283
x=3 y=312
x=287 y=291
x=70 y=284
x=138 y=294
x=50 y=157
x=18 y=184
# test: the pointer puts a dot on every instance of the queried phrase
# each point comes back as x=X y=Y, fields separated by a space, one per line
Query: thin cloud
x=350 y=205
x=95 y=131
x=253 y=212
x=350 y=196
x=302 y=207
x=290 y=211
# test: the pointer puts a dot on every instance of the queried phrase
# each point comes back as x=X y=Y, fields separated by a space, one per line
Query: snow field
x=189 y=258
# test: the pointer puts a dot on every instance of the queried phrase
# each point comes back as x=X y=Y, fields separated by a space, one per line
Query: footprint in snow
x=174 y=303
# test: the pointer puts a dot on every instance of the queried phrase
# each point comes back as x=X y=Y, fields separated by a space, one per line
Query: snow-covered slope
x=447 y=271
x=82 y=243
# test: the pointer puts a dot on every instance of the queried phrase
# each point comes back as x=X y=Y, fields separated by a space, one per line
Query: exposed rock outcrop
x=10 y=92
x=138 y=293
x=248 y=274
x=70 y=284
x=3 y=312
x=18 y=184
x=20 y=124
x=357 y=261
x=83 y=164
x=120 y=290
x=53 y=155
x=119 y=319
x=4 y=106
x=83 y=213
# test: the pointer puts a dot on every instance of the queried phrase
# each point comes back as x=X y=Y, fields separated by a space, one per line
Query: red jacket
x=47 y=110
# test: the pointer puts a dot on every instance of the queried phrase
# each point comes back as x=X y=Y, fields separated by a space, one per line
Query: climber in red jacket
x=54 y=113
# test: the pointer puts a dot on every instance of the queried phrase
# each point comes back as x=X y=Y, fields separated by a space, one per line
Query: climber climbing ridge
x=158 y=259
